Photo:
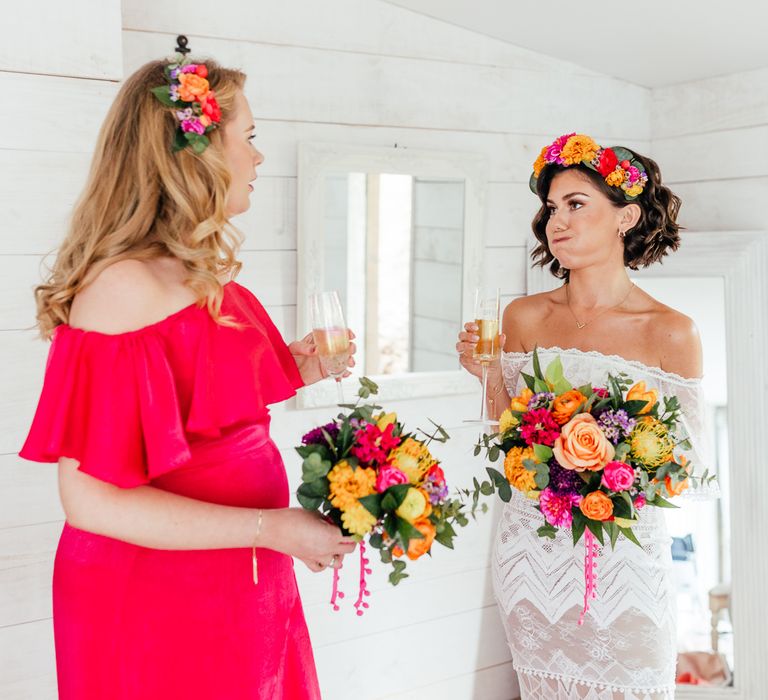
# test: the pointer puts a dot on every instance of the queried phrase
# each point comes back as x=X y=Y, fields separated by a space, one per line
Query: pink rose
x=618 y=476
x=389 y=476
x=640 y=501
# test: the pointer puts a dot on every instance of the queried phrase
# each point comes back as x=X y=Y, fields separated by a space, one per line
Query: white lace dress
x=626 y=648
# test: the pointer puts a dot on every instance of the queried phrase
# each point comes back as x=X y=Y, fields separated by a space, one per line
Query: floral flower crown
x=194 y=103
x=619 y=166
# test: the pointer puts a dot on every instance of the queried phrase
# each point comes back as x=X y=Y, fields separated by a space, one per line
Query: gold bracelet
x=255 y=537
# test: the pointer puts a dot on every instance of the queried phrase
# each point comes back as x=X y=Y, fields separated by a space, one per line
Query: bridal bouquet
x=378 y=482
x=589 y=457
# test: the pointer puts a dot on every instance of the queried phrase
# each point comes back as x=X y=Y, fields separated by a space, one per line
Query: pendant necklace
x=582 y=324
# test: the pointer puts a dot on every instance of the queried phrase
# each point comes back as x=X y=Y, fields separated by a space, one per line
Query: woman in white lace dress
x=603 y=211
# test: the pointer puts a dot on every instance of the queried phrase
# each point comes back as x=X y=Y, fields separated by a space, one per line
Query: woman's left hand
x=304 y=351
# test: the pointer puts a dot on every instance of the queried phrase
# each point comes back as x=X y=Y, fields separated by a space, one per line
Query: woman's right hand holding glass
x=465 y=347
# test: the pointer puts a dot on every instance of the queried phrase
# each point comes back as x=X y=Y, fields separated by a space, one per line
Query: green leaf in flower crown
x=199 y=143
x=530 y=381
x=179 y=141
x=163 y=93
x=623 y=153
x=542 y=453
x=532 y=183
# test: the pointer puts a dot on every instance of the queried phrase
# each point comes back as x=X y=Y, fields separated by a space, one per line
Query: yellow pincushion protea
x=413 y=459
x=347 y=485
x=650 y=443
x=517 y=475
x=578 y=149
x=358 y=520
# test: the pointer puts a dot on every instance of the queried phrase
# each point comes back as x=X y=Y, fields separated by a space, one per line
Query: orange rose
x=565 y=405
x=416 y=547
x=582 y=445
x=638 y=393
x=597 y=506
x=192 y=87
x=520 y=402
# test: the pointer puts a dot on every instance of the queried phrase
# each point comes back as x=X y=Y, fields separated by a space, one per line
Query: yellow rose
x=385 y=419
x=415 y=505
x=507 y=421
x=520 y=402
x=638 y=393
x=582 y=446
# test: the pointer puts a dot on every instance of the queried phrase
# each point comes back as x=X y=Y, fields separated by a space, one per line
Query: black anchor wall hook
x=181 y=45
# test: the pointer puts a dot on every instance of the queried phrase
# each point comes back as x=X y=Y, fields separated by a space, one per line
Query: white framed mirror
x=399 y=234
x=721 y=278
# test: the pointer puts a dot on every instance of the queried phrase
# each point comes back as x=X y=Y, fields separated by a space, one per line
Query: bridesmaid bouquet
x=589 y=457
x=376 y=481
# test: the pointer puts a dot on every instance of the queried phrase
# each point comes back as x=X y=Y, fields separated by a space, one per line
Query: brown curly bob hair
x=655 y=234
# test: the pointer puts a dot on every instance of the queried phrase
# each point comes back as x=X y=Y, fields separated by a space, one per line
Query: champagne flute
x=487 y=348
x=330 y=334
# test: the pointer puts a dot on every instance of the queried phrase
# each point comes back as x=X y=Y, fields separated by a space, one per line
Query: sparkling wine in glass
x=330 y=334
x=487 y=348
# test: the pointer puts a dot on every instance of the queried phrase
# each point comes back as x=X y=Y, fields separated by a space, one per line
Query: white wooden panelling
x=506 y=268
x=338 y=25
x=510 y=210
x=270 y=223
x=40 y=38
x=28 y=492
x=270 y=275
x=727 y=205
x=340 y=88
x=720 y=155
x=727 y=102
x=422 y=654
x=27 y=663
x=38 y=192
x=22 y=360
x=510 y=155
x=26 y=566
x=18 y=275
x=497 y=682
x=44 y=113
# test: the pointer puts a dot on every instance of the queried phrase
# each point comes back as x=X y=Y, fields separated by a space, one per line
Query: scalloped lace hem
x=541 y=685
x=653 y=371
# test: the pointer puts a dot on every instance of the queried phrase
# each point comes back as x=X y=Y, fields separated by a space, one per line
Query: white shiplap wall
x=360 y=72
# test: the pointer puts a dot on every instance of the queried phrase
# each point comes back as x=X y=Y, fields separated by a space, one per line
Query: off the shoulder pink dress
x=180 y=405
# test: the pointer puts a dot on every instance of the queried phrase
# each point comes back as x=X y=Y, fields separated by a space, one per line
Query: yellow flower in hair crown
x=619 y=166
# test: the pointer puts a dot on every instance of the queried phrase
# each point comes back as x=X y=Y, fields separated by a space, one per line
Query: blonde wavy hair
x=143 y=201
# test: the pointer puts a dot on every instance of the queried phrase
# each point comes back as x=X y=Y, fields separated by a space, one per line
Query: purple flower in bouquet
x=541 y=400
x=316 y=437
x=556 y=507
x=615 y=424
x=539 y=427
x=563 y=480
x=435 y=485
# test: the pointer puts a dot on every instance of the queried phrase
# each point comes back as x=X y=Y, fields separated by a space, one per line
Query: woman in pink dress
x=174 y=574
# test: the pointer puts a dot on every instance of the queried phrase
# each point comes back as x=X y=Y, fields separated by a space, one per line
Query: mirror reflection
x=393 y=249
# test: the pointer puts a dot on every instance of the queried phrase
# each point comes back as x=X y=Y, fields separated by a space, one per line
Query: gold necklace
x=581 y=324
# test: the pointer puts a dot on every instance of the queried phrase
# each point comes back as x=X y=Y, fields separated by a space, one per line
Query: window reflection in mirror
x=393 y=248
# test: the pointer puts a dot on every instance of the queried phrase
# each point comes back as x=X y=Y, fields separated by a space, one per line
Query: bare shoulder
x=520 y=314
x=677 y=338
x=126 y=296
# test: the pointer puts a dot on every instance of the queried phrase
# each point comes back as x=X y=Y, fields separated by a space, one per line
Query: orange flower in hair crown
x=193 y=102
x=619 y=166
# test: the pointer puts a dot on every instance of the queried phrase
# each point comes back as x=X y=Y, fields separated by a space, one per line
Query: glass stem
x=484 y=406
x=339 y=390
